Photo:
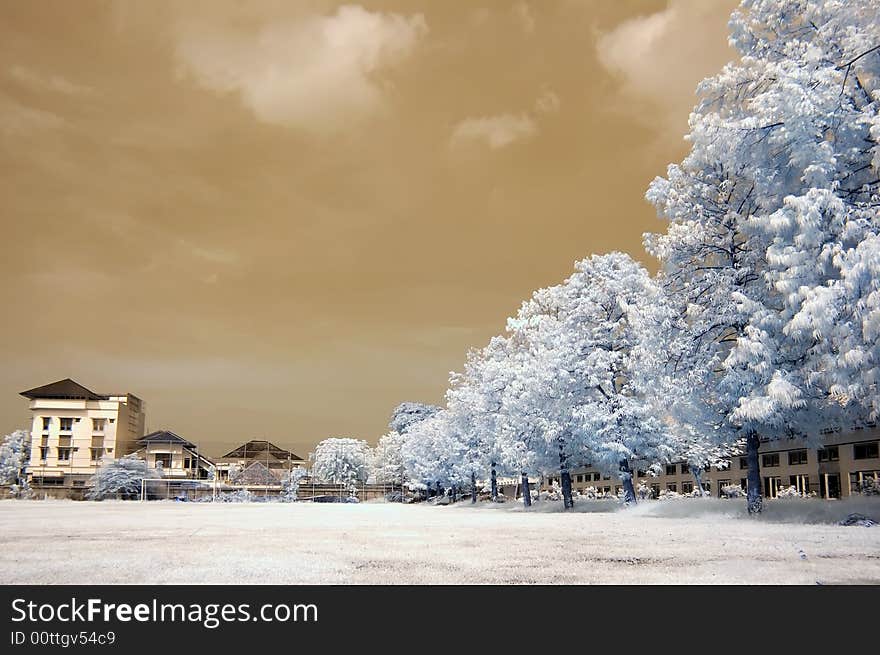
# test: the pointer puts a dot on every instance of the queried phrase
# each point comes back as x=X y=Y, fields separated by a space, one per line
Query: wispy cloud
x=660 y=58
x=495 y=131
x=43 y=82
x=319 y=73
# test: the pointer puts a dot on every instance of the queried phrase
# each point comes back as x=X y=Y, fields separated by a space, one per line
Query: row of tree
x=764 y=318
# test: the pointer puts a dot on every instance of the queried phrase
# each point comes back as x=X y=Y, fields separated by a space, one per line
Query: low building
x=175 y=456
x=836 y=470
x=274 y=462
x=74 y=429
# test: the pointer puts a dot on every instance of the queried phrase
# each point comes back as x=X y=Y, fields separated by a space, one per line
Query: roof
x=63 y=389
x=256 y=448
x=165 y=436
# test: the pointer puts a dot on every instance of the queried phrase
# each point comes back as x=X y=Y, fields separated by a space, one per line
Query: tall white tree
x=780 y=184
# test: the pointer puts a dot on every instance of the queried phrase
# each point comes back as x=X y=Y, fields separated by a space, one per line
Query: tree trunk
x=526 y=492
x=454 y=493
x=697 y=472
x=755 y=500
x=565 y=477
x=626 y=477
x=473 y=488
x=494 y=480
x=439 y=489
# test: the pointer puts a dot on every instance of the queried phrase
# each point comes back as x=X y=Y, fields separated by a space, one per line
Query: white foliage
x=342 y=461
x=14 y=455
x=120 y=477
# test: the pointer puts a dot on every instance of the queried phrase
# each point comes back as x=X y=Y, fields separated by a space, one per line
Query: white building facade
x=73 y=430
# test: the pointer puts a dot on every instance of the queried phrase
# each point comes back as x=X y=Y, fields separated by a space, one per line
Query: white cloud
x=547 y=103
x=660 y=58
x=495 y=131
x=318 y=73
x=523 y=14
x=39 y=82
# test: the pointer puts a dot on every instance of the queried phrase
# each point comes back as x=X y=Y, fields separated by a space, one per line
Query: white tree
x=342 y=460
x=14 y=456
x=408 y=414
x=120 y=477
x=387 y=462
x=290 y=484
x=780 y=185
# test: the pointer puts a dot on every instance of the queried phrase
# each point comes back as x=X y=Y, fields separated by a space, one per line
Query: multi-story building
x=835 y=470
x=73 y=429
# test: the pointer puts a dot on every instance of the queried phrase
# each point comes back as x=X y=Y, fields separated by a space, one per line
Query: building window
x=163 y=460
x=744 y=462
x=670 y=470
x=671 y=487
x=64 y=454
x=96 y=454
x=865 y=450
x=685 y=468
x=580 y=478
x=796 y=457
x=98 y=424
x=606 y=477
x=829 y=454
x=44 y=453
x=47 y=422
x=66 y=424
x=640 y=473
x=596 y=477
x=687 y=487
x=770 y=460
x=655 y=490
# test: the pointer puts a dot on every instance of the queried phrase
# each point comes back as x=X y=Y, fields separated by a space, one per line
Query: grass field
x=678 y=542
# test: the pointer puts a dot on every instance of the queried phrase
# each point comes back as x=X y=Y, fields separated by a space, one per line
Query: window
x=44 y=453
x=187 y=463
x=687 y=487
x=671 y=487
x=744 y=462
x=64 y=454
x=865 y=450
x=655 y=490
x=98 y=424
x=685 y=468
x=606 y=477
x=596 y=477
x=79 y=483
x=163 y=460
x=580 y=478
x=770 y=460
x=670 y=470
x=829 y=454
x=47 y=422
x=796 y=457
x=96 y=454
x=66 y=424
x=640 y=473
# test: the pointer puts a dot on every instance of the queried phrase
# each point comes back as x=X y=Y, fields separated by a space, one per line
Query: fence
x=309 y=491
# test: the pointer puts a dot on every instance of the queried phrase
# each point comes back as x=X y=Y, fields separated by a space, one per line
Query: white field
x=679 y=541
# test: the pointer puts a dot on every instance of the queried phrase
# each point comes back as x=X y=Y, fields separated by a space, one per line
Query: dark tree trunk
x=494 y=479
x=473 y=487
x=439 y=489
x=526 y=492
x=454 y=493
x=697 y=472
x=565 y=476
x=755 y=499
x=626 y=477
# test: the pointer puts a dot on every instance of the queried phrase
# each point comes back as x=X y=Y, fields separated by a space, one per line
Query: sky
x=276 y=220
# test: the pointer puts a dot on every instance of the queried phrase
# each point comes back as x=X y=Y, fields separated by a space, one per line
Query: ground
x=677 y=541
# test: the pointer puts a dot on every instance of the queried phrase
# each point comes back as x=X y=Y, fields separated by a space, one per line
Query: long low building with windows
x=836 y=470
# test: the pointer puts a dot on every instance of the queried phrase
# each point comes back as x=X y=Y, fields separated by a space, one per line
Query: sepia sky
x=280 y=219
